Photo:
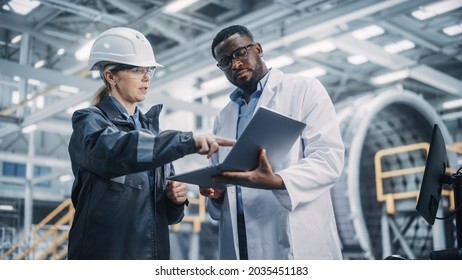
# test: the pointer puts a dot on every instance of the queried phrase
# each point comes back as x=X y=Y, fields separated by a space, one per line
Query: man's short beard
x=256 y=77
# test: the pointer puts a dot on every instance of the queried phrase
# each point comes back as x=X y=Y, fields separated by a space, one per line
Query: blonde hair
x=104 y=90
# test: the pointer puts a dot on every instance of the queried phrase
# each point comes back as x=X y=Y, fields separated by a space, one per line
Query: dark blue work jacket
x=120 y=179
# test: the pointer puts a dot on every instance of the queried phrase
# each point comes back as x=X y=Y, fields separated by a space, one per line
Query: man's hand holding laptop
x=261 y=177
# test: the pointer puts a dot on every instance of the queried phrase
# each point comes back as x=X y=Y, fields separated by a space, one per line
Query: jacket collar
x=152 y=117
x=110 y=109
x=150 y=120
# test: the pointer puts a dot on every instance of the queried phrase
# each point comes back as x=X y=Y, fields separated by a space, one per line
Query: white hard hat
x=121 y=45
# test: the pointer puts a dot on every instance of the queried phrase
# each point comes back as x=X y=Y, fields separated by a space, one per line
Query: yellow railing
x=197 y=218
x=36 y=237
x=380 y=175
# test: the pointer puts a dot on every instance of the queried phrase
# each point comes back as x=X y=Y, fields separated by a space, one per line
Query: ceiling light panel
x=399 y=46
x=390 y=77
x=22 y=7
x=452 y=104
x=368 y=32
x=178 y=5
x=280 y=61
x=16 y=39
x=357 y=59
x=453 y=30
x=39 y=63
x=438 y=8
x=313 y=72
x=322 y=46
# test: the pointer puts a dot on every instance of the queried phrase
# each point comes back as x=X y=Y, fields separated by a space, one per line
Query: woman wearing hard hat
x=121 y=159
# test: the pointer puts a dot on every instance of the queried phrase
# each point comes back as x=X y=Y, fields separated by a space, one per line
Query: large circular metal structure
x=369 y=124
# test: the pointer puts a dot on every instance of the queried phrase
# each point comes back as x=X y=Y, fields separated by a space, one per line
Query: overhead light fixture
x=453 y=30
x=69 y=89
x=215 y=84
x=15 y=97
x=357 y=59
x=390 y=77
x=211 y=86
x=28 y=129
x=400 y=46
x=40 y=63
x=368 y=32
x=178 y=5
x=34 y=82
x=313 y=72
x=206 y=87
x=160 y=73
x=322 y=46
x=40 y=102
x=65 y=178
x=96 y=75
x=83 y=53
x=280 y=61
x=452 y=104
x=61 y=51
x=5 y=207
x=22 y=7
x=82 y=105
x=16 y=39
x=438 y=8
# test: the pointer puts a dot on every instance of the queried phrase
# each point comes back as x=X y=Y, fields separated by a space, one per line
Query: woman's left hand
x=176 y=192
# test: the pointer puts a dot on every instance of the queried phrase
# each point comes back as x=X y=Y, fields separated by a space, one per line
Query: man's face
x=241 y=61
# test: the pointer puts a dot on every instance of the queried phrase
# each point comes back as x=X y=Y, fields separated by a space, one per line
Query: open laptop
x=267 y=129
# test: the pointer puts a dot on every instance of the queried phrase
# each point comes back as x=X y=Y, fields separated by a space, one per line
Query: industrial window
x=14 y=169
x=19 y=170
x=42 y=171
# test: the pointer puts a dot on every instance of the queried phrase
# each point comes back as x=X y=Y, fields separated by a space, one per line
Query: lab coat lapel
x=268 y=91
x=229 y=130
x=231 y=113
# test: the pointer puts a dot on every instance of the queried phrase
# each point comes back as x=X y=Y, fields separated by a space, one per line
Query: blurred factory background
x=392 y=68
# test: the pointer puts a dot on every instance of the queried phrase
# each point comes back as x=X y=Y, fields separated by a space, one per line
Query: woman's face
x=131 y=85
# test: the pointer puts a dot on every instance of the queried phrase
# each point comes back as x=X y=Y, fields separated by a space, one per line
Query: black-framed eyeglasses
x=239 y=54
x=135 y=72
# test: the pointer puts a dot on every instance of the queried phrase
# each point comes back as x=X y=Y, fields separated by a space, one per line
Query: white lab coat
x=298 y=222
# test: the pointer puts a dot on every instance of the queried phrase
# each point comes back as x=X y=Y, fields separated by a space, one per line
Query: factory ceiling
x=351 y=46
